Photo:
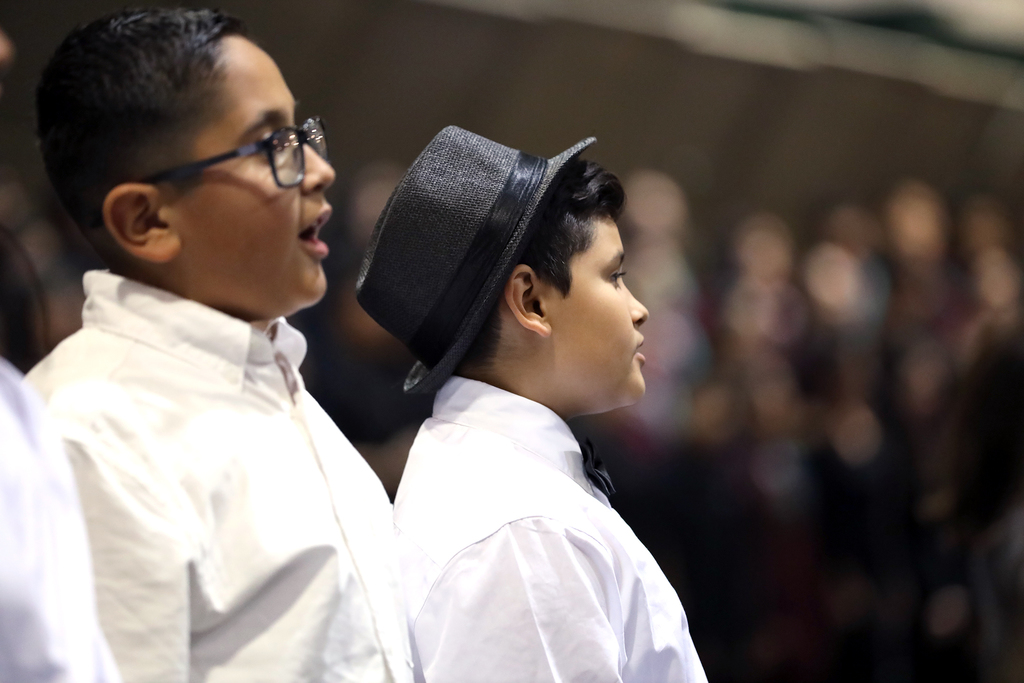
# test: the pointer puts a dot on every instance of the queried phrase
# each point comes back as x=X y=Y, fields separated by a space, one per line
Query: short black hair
x=118 y=95
x=583 y=193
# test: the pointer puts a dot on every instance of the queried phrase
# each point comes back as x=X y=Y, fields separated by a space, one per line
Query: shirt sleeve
x=48 y=626
x=532 y=602
x=139 y=538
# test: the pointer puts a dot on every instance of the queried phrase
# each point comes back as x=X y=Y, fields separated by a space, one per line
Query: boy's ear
x=132 y=215
x=525 y=295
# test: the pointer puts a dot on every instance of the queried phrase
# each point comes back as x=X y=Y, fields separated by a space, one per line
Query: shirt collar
x=529 y=424
x=187 y=329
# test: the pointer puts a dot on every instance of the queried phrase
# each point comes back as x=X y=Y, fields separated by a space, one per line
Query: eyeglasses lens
x=316 y=136
x=288 y=161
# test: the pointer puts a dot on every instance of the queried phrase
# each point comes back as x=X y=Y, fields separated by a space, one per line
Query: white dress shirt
x=236 y=534
x=514 y=567
x=48 y=627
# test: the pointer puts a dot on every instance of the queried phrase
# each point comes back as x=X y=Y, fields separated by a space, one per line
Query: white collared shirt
x=48 y=627
x=514 y=568
x=236 y=534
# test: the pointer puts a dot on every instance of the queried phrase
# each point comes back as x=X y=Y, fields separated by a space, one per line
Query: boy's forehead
x=253 y=93
x=607 y=242
x=605 y=248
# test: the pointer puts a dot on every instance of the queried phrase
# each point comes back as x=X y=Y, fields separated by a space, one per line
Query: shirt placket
x=294 y=388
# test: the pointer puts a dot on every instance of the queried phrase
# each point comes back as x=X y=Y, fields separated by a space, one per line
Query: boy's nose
x=319 y=173
x=640 y=313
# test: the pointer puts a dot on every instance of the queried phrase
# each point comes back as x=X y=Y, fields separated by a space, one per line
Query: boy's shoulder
x=149 y=344
x=87 y=356
x=97 y=384
x=124 y=375
x=462 y=484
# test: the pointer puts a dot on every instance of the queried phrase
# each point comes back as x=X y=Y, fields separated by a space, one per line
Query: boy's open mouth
x=311 y=235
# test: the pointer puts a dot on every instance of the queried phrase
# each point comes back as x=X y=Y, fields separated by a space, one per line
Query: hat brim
x=422 y=379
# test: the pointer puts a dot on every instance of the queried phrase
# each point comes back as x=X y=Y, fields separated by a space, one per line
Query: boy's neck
x=168 y=285
x=522 y=383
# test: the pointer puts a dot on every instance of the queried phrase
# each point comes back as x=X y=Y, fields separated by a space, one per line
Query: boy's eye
x=617 y=276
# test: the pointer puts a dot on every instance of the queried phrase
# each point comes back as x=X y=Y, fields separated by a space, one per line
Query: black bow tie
x=595 y=470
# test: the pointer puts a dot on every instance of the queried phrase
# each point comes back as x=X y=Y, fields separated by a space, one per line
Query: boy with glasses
x=236 y=534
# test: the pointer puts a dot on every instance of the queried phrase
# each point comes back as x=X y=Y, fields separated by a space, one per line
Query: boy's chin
x=317 y=292
x=637 y=391
x=298 y=302
x=624 y=398
x=311 y=294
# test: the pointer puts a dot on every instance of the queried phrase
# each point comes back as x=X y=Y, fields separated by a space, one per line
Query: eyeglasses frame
x=265 y=145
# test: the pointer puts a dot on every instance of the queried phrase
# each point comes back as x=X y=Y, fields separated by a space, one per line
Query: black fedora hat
x=448 y=238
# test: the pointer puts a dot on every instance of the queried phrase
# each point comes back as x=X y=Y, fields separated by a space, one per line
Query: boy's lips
x=643 y=359
x=310 y=236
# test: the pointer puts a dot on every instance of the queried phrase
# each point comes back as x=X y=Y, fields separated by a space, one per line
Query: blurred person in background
x=988 y=253
x=930 y=297
x=927 y=327
x=762 y=324
x=847 y=282
x=49 y=301
x=656 y=222
x=23 y=330
x=861 y=483
x=763 y=309
x=981 y=494
x=48 y=626
x=926 y=344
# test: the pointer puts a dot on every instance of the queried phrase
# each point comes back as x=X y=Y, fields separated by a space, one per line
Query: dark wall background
x=388 y=74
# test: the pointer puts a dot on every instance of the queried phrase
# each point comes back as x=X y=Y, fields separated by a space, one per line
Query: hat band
x=437 y=331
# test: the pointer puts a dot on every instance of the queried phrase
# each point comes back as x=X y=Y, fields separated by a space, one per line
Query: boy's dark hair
x=119 y=95
x=584 y=193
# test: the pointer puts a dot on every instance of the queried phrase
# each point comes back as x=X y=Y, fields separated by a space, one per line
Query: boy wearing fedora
x=502 y=273
x=236 y=534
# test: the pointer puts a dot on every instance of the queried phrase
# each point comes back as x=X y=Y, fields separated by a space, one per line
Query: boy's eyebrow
x=272 y=118
x=619 y=259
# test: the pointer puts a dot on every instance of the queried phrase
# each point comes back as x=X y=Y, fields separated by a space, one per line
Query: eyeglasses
x=283 y=147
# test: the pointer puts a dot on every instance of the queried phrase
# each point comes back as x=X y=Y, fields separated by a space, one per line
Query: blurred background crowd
x=826 y=240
